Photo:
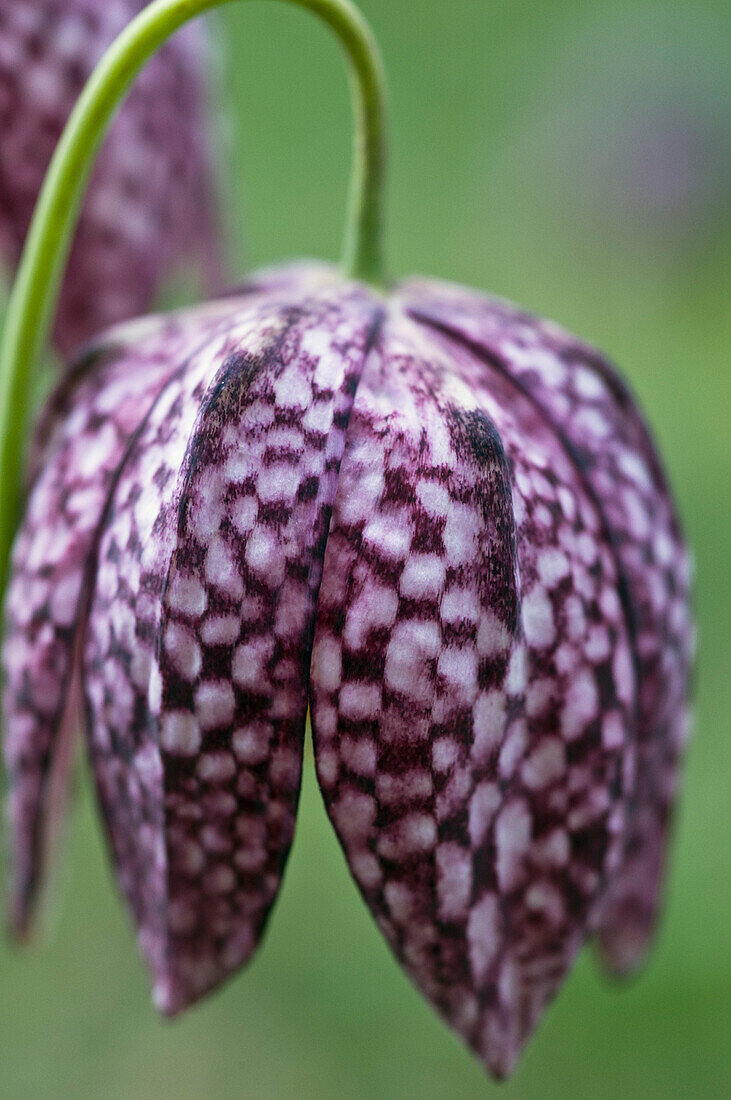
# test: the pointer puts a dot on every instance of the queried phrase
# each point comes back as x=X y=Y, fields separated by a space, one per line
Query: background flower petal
x=151 y=201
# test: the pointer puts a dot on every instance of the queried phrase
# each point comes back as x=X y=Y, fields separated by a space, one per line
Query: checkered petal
x=150 y=203
x=78 y=448
x=597 y=420
x=197 y=650
x=472 y=688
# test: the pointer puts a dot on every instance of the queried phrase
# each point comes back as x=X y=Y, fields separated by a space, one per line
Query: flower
x=150 y=203
x=434 y=520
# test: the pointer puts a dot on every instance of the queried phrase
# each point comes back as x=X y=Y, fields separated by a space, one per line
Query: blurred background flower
x=324 y=1012
x=151 y=204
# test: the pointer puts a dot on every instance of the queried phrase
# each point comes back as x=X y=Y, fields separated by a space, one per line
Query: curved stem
x=35 y=292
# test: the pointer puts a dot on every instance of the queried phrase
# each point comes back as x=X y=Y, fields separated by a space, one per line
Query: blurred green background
x=574 y=157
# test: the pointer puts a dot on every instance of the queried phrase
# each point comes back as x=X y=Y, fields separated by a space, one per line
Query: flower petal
x=595 y=416
x=78 y=449
x=199 y=636
x=457 y=705
x=150 y=202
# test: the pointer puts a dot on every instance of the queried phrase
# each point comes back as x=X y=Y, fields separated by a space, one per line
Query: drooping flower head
x=440 y=524
x=434 y=522
x=151 y=200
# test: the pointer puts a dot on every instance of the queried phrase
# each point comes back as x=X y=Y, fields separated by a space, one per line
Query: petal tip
x=624 y=951
x=183 y=977
x=21 y=910
x=173 y=992
x=501 y=1066
x=167 y=998
x=506 y=1032
x=500 y=1055
x=175 y=989
x=19 y=926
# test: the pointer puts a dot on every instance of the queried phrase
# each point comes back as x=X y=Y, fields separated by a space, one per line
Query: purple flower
x=434 y=520
x=150 y=204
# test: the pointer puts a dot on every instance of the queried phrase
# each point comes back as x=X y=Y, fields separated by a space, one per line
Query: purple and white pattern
x=596 y=419
x=435 y=521
x=150 y=204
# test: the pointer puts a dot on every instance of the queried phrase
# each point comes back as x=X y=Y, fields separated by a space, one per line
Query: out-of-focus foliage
x=571 y=157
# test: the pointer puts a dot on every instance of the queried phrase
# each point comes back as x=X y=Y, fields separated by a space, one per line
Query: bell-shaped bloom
x=150 y=204
x=435 y=521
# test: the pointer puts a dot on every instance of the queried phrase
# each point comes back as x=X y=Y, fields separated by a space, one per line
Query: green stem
x=35 y=293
